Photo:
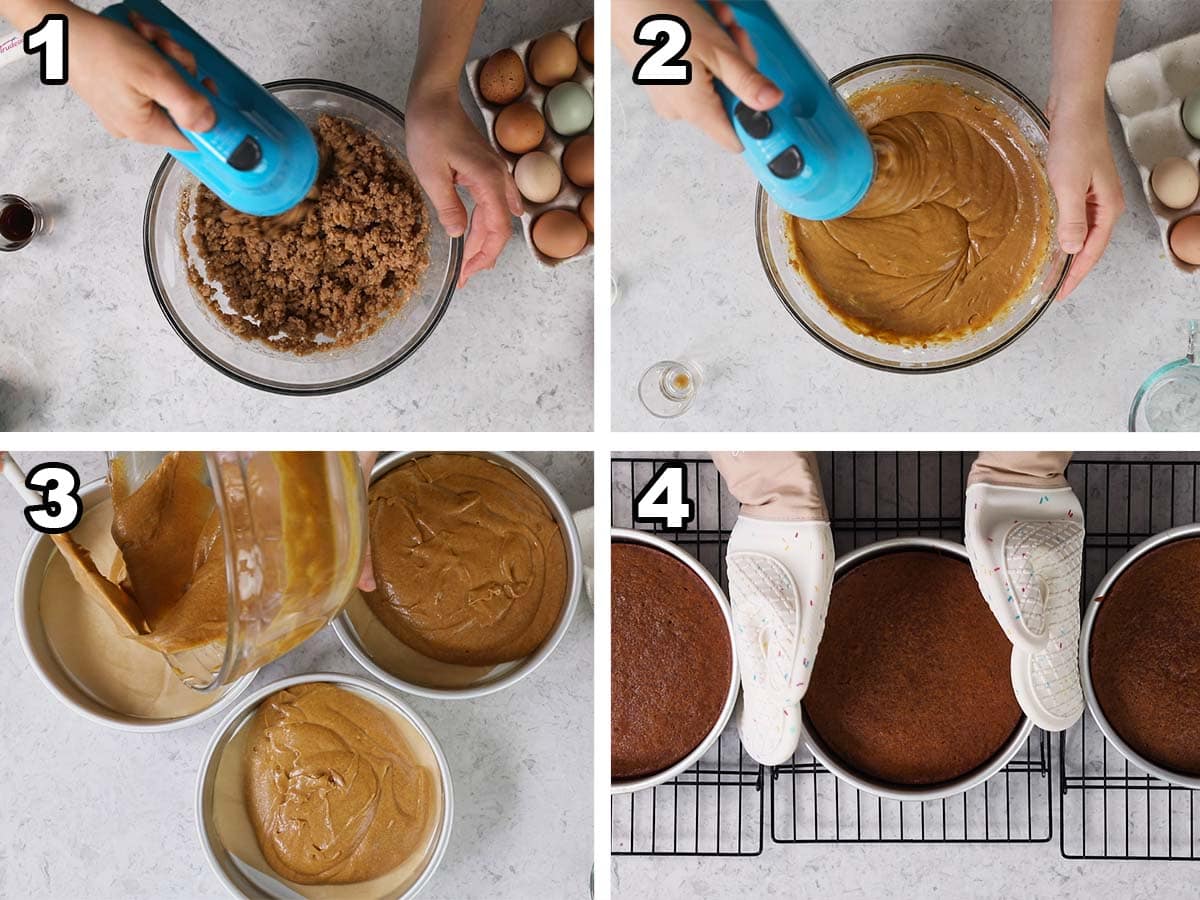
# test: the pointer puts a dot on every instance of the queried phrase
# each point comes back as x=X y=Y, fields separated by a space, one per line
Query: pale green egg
x=569 y=108
x=1191 y=114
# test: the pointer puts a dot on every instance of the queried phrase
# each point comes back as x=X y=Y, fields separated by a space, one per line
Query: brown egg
x=553 y=59
x=587 y=212
x=1185 y=240
x=520 y=128
x=502 y=78
x=578 y=161
x=559 y=233
x=584 y=41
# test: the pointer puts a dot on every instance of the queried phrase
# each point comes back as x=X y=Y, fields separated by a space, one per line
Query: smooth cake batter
x=94 y=647
x=954 y=228
x=334 y=787
x=471 y=567
x=169 y=534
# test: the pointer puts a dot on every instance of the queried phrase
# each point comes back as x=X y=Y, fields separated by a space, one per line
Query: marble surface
x=84 y=347
x=100 y=813
x=890 y=870
x=692 y=285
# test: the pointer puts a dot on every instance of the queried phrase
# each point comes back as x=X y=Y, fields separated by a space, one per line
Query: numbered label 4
x=49 y=41
x=670 y=37
x=665 y=501
x=58 y=486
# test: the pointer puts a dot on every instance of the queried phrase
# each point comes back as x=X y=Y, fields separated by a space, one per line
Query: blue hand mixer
x=809 y=152
x=259 y=158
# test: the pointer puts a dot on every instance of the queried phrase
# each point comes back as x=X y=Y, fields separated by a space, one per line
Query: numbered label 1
x=61 y=508
x=670 y=37
x=665 y=501
x=49 y=41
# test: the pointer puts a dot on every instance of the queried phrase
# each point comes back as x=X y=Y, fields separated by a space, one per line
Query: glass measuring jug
x=294 y=532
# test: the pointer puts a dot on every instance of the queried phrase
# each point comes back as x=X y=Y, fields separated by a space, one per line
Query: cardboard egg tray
x=570 y=196
x=1147 y=92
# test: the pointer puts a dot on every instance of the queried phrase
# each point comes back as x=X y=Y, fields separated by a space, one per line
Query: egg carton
x=1147 y=91
x=554 y=144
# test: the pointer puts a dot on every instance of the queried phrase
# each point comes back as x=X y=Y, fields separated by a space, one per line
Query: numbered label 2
x=665 y=500
x=670 y=37
x=60 y=509
x=49 y=41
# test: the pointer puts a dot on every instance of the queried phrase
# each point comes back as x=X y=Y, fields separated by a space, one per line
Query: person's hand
x=366 y=578
x=446 y=150
x=1086 y=185
x=719 y=50
x=128 y=84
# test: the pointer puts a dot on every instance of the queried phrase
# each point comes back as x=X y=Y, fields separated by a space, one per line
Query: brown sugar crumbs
x=326 y=278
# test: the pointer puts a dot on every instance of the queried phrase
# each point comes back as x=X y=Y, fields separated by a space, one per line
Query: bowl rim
x=764 y=254
x=27 y=606
x=380 y=693
x=558 y=508
x=1170 y=536
x=963 y=783
x=649 y=539
x=276 y=387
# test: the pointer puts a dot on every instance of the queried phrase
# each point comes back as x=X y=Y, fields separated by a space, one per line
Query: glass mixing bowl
x=252 y=362
x=804 y=305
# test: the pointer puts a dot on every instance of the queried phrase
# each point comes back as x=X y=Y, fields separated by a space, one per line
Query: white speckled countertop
x=84 y=347
x=99 y=813
x=692 y=284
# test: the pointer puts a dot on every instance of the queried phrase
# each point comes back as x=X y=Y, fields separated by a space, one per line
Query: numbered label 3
x=665 y=501
x=58 y=486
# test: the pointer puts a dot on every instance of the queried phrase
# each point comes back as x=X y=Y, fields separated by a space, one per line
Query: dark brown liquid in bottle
x=16 y=222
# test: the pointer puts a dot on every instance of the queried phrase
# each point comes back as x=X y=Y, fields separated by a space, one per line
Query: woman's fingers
x=1072 y=196
x=1104 y=213
x=709 y=115
x=366 y=578
x=447 y=205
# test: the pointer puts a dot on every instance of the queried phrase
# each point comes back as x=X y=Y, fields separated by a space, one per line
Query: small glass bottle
x=20 y=222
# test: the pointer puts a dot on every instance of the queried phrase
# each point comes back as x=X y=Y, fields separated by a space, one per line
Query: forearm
x=1084 y=33
x=1035 y=468
x=776 y=486
x=445 y=39
x=25 y=14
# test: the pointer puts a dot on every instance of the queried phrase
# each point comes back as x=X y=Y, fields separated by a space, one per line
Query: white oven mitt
x=1026 y=548
x=780 y=575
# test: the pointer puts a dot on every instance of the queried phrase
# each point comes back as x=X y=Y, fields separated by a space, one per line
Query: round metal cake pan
x=856 y=779
x=507 y=674
x=234 y=875
x=1085 y=645
x=36 y=644
x=629 y=785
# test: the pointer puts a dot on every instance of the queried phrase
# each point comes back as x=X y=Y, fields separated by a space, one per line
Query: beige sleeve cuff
x=1035 y=468
x=778 y=487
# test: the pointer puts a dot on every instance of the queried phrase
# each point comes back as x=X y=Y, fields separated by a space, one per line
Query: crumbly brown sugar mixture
x=336 y=275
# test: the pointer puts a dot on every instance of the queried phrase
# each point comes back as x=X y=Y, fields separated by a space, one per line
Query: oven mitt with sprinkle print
x=780 y=563
x=1026 y=547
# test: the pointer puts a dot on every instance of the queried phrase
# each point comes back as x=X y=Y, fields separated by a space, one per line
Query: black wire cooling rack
x=717 y=808
x=1109 y=808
